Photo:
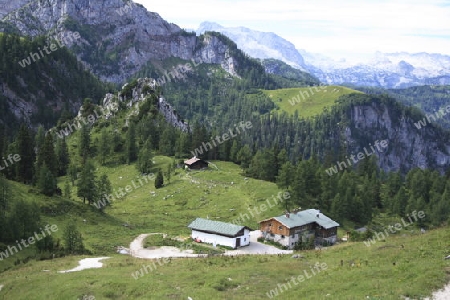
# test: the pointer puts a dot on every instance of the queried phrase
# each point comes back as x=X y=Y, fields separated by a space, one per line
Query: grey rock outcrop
x=124 y=34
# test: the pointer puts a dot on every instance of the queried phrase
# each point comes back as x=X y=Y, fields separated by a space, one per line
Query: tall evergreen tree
x=25 y=148
x=40 y=137
x=4 y=204
x=130 y=144
x=62 y=154
x=86 y=184
x=104 y=147
x=159 y=180
x=103 y=190
x=47 y=156
x=144 y=163
x=73 y=240
x=46 y=181
x=84 y=142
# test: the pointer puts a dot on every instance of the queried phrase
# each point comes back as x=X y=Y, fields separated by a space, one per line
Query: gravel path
x=87 y=263
x=137 y=249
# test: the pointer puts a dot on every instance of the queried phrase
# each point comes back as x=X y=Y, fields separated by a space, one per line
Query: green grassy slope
x=367 y=273
x=308 y=101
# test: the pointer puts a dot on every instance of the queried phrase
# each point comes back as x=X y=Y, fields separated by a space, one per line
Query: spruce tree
x=86 y=184
x=103 y=190
x=159 y=180
x=144 y=162
x=84 y=142
x=130 y=144
x=47 y=156
x=73 y=240
x=62 y=153
x=67 y=189
x=24 y=146
x=104 y=147
x=40 y=137
x=46 y=181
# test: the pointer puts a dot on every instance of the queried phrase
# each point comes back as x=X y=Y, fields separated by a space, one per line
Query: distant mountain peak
x=258 y=44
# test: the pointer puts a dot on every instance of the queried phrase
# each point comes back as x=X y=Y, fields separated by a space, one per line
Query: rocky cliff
x=408 y=145
x=117 y=37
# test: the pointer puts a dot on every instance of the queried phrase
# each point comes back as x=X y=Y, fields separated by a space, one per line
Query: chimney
x=317 y=215
x=287 y=215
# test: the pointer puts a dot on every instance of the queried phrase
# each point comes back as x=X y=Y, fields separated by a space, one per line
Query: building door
x=238 y=242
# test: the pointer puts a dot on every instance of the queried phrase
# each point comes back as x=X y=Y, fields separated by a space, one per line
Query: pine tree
x=130 y=144
x=62 y=153
x=167 y=141
x=234 y=151
x=40 y=137
x=103 y=190
x=67 y=189
x=73 y=240
x=159 y=180
x=284 y=179
x=104 y=147
x=169 y=172
x=244 y=156
x=86 y=184
x=24 y=167
x=84 y=142
x=144 y=162
x=47 y=156
x=46 y=181
x=4 y=204
x=73 y=173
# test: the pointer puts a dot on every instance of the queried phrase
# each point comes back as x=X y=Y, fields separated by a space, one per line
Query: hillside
x=309 y=101
x=135 y=135
x=385 y=270
x=38 y=89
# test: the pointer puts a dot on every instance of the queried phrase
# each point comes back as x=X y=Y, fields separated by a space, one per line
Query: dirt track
x=137 y=249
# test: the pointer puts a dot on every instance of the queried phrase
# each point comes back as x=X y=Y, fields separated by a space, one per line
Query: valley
x=290 y=152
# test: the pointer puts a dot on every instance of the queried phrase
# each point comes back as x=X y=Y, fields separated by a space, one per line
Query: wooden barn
x=220 y=233
x=290 y=228
x=195 y=163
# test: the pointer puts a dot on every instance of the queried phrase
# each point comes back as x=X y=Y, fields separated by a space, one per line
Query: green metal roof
x=215 y=227
x=306 y=217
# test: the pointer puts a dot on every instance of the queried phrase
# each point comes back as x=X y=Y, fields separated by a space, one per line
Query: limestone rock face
x=408 y=147
x=123 y=35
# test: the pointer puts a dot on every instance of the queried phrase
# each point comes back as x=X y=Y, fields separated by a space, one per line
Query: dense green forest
x=55 y=84
x=354 y=195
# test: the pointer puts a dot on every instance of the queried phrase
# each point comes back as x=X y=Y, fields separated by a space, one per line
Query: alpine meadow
x=277 y=151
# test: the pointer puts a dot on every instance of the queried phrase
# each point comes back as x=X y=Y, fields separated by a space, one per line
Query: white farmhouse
x=220 y=233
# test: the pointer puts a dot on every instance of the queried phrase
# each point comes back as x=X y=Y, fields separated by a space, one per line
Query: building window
x=270 y=224
x=282 y=236
x=280 y=227
x=293 y=236
x=245 y=239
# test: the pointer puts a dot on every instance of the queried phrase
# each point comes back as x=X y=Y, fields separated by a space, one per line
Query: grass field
x=366 y=273
x=218 y=194
x=307 y=101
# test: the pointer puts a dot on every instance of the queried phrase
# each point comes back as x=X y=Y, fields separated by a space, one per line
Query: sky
x=339 y=29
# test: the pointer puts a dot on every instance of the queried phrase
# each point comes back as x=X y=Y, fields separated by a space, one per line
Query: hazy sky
x=335 y=28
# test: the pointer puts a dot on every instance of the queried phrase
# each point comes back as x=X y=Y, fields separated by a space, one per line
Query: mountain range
x=121 y=40
x=387 y=70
